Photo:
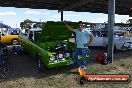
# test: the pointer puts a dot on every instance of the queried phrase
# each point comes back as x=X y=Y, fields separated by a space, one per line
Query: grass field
x=64 y=77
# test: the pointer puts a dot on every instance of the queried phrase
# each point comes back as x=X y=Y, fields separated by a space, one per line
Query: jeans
x=83 y=52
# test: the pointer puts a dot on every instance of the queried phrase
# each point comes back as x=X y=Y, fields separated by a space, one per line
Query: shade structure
x=4 y=26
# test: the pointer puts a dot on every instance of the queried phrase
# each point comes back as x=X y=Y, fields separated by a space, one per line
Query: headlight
x=52 y=58
x=126 y=44
x=60 y=55
x=67 y=55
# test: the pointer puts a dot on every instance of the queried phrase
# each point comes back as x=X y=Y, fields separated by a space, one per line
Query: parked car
x=8 y=37
x=50 y=45
x=120 y=41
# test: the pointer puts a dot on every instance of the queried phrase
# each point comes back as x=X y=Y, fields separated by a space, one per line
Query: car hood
x=122 y=38
x=56 y=30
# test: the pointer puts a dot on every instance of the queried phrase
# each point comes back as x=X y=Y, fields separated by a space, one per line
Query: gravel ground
x=25 y=66
x=20 y=65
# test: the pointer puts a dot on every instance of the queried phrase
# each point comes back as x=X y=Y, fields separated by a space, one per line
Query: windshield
x=4 y=31
x=34 y=35
x=105 y=33
x=119 y=33
x=37 y=34
x=99 y=33
x=14 y=32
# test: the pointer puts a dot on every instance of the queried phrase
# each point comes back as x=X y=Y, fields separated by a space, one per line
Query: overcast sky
x=13 y=16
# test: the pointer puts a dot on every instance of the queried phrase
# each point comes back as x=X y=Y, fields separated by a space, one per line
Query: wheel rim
x=14 y=42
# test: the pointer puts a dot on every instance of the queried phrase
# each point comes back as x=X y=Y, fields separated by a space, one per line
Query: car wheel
x=41 y=66
x=14 y=42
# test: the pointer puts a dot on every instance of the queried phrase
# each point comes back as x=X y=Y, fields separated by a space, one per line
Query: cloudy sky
x=13 y=16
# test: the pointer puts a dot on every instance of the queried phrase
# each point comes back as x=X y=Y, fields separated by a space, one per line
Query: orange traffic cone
x=82 y=71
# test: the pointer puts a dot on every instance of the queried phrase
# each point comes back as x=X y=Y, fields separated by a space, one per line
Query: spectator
x=82 y=35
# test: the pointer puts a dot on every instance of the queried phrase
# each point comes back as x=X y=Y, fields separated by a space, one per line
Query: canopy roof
x=123 y=7
x=4 y=26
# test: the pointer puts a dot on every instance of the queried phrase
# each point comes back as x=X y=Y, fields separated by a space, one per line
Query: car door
x=27 y=44
x=5 y=38
x=8 y=38
x=97 y=40
x=105 y=38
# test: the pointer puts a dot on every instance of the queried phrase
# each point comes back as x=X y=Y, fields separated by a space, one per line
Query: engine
x=60 y=52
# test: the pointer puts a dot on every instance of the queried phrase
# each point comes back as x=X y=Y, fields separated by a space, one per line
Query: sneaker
x=83 y=67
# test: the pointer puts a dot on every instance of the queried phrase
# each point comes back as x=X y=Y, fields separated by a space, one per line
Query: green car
x=50 y=45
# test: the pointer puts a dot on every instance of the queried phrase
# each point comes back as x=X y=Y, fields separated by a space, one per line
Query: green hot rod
x=50 y=45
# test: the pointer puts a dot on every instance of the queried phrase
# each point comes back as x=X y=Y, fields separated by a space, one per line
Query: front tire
x=41 y=66
x=14 y=42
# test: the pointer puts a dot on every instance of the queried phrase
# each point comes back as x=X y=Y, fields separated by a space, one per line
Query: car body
x=50 y=44
x=120 y=41
x=8 y=37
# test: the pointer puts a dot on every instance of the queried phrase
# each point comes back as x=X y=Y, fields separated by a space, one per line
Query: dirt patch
x=23 y=72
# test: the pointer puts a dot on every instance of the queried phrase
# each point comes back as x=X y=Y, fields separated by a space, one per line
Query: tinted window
x=94 y=33
x=119 y=33
x=104 y=33
x=97 y=33
x=37 y=34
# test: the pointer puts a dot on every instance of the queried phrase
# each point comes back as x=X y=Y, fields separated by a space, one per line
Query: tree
x=26 y=24
x=21 y=25
x=37 y=24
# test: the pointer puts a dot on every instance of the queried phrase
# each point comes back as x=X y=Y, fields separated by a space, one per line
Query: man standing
x=82 y=37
